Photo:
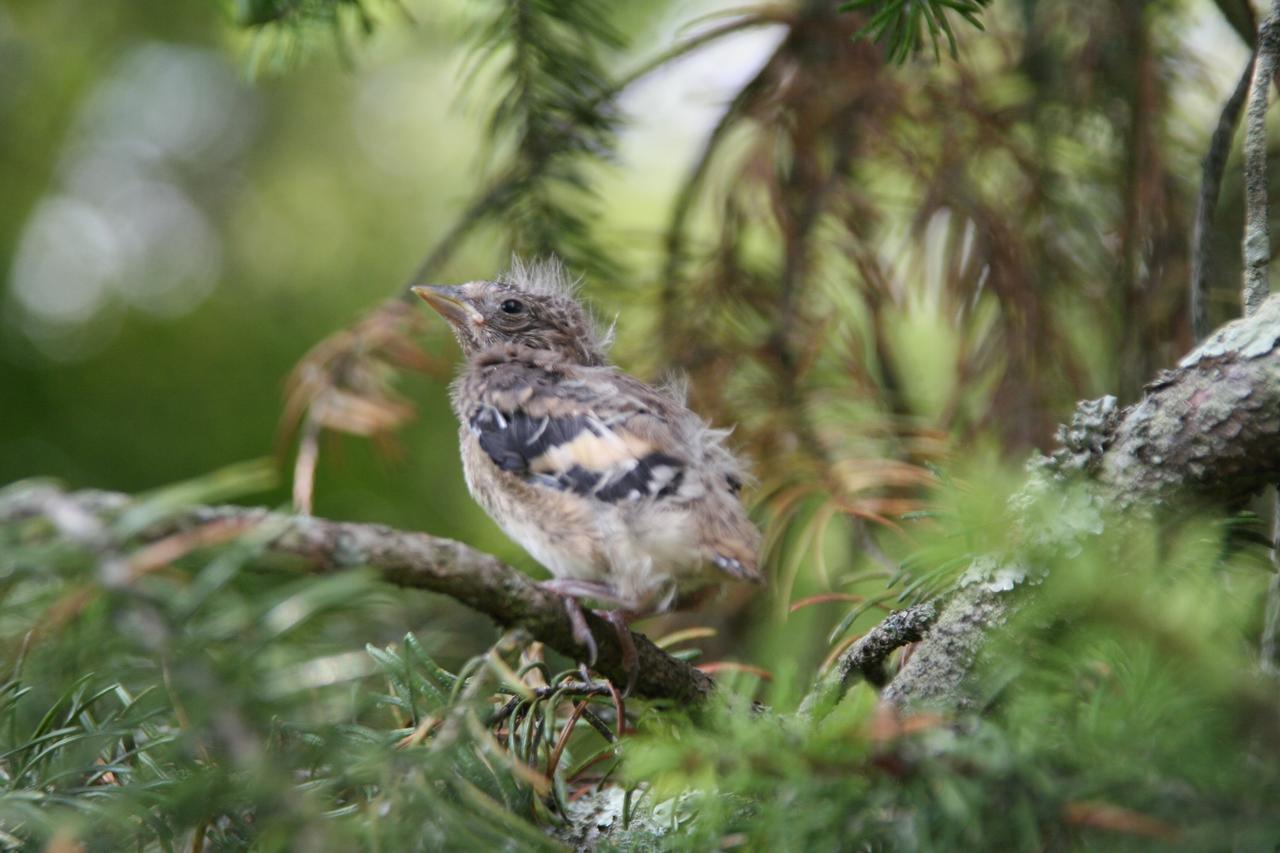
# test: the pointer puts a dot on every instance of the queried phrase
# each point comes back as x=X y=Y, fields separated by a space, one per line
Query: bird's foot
x=581 y=633
x=570 y=587
x=630 y=657
x=571 y=591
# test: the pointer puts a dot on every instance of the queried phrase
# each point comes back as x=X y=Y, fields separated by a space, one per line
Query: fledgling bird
x=625 y=495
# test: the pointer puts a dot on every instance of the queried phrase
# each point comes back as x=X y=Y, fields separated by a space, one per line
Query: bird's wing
x=603 y=435
x=608 y=437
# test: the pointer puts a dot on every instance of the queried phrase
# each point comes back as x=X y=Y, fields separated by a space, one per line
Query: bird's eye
x=512 y=306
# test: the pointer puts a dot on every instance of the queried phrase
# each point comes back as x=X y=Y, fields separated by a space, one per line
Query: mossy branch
x=865 y=659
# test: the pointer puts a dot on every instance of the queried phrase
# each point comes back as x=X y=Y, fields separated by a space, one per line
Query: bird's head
x=532 y=306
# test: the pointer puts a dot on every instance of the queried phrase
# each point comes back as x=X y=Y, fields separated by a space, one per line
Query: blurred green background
x=179 y=229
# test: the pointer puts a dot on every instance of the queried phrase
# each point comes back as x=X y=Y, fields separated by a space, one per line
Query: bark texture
x=1208 y=428
x=1257 y=239
x=864 y=660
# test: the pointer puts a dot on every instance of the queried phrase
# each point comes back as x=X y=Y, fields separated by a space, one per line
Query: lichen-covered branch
x=1210 y=428
x=865 y=658
x=480 y=581
x=941 y=661
x=1207 y=431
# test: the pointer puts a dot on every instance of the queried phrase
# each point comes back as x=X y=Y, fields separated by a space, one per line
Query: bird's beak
x=450 y=303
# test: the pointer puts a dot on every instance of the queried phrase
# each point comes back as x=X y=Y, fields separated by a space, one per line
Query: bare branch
x=480 y=581
x=865 y=658
x=1215 y=163
x=1239 y=15
x=1257 y=240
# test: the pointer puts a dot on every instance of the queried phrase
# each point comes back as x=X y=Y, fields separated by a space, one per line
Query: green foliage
x=1122 y=710
x=902 y=25
x=223 y=696
x=554 y=111
x=284 y=29
x=148 y=704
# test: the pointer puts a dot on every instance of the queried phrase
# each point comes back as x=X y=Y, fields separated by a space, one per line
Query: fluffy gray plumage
x=620 y=490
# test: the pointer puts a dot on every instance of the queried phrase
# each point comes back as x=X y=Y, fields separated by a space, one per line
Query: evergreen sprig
x=902 y=26
x=555 y=109
x=211 y=701
x=283 y=29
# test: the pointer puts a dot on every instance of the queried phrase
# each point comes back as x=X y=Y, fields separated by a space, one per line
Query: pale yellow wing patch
x=610 y=450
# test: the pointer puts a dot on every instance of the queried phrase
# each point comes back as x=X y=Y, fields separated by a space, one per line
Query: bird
x=626 y=496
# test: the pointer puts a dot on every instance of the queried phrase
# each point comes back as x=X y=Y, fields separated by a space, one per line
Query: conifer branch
x=865 y=658
x=1206 y=430
x=414 y=560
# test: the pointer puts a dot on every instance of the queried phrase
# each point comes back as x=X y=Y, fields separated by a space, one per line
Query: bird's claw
x=630 y=656
x=581 y=633
x=570 y=591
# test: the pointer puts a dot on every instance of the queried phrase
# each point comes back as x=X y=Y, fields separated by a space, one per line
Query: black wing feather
x=513 y=440
x=656 y=474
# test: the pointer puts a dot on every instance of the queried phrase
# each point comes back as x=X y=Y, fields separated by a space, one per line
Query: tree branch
x=1257 y=280
x=1215 y=163
x=1257 y=240
x=1239 y=15
x=865 y=658
x=414 y=560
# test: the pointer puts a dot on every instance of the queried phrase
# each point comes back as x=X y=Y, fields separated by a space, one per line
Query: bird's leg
x=630 y=657
x=571 y=590
x=582 y=589
x=581 y=633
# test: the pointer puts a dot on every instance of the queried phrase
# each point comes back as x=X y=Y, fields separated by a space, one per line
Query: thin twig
x=304 y=465
x=475 y=214
x=865 y=658
x=1239 y=14
x=197 y=838
x=676 y=233
x=506 y=186
x=1215 y=163
x=1257 y=240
